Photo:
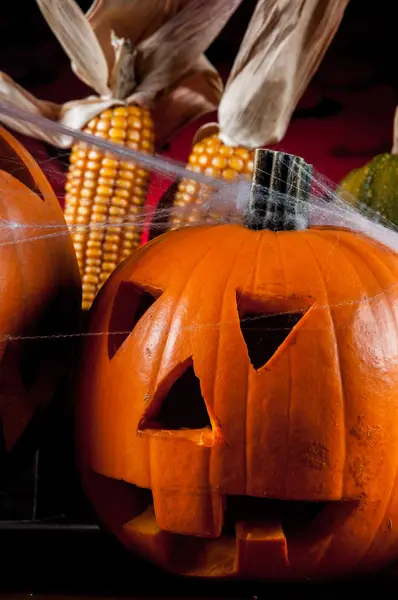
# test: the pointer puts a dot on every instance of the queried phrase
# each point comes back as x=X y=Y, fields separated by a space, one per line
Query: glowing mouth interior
x=291 y=514
x=292 y=517
x=259 y=536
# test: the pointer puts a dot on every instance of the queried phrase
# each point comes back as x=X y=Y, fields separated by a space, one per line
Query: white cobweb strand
x=228 y=199
x=328 y=209
x=342 y=215
x=325 y=210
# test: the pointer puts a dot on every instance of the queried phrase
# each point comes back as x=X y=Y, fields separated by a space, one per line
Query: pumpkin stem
x=394 y=149
x=280 y=191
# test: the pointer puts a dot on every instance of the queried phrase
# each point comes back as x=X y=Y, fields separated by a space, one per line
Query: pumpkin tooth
x=185 y=513
x=104 y=195
x=212 y=157
x=144 y=532
x=261 y=547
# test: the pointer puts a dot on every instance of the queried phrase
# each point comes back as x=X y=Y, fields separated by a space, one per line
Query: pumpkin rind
x=318 y=422
x=41 y=293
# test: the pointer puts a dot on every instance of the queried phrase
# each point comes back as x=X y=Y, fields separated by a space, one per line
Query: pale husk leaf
x=70 y=26
x=282 y=49
x=14 y=94
x=169 y=36
x=134 y=20
x=206 y=131
x=196 y=94
x=165 y=57
x=179 y=85
x=75 y=114
x=122 y=80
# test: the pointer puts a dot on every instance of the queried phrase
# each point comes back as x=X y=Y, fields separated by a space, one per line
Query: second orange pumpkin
x=40 y=297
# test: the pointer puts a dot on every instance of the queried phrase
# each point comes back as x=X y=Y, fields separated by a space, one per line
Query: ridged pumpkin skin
x=376 y=185
x=317 y=422
x=41 y=294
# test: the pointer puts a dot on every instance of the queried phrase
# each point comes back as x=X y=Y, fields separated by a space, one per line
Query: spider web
x=227 y=201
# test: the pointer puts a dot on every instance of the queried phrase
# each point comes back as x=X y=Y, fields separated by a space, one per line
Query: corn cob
x=211 y=157
x=104 y=195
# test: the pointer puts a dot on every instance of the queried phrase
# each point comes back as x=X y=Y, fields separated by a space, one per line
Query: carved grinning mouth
x=291 y=515
x=257 y=533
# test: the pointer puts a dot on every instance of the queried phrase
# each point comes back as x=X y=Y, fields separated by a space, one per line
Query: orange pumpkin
x=244 y=420
x=41 y=296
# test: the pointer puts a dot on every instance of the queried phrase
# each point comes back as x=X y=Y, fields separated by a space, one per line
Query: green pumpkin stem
x=280 y=191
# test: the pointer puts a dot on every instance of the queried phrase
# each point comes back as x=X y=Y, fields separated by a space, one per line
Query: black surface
x=82 y=560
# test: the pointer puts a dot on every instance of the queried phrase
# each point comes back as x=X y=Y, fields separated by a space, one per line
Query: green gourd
x=376 y=183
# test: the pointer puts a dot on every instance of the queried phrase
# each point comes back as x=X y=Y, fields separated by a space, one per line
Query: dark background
x=344 y=118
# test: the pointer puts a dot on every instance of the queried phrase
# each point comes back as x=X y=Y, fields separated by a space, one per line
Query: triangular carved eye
x=179 y=403
x=129 y=306
x=265 y=325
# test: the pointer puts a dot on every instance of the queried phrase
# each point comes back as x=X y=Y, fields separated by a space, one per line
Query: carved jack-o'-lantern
x=40 y=297
x=244 y=420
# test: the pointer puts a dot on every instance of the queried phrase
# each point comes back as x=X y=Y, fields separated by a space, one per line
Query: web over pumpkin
x=245 y=422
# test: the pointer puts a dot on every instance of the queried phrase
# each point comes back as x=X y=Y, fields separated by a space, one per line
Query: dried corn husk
x=131 y=52
x=282 y=49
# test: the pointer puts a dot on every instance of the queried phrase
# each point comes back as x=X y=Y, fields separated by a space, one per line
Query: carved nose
x=180 y=437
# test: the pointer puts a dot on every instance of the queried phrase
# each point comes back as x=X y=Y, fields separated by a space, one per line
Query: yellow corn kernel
x=210 y=157
x=104 y=195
